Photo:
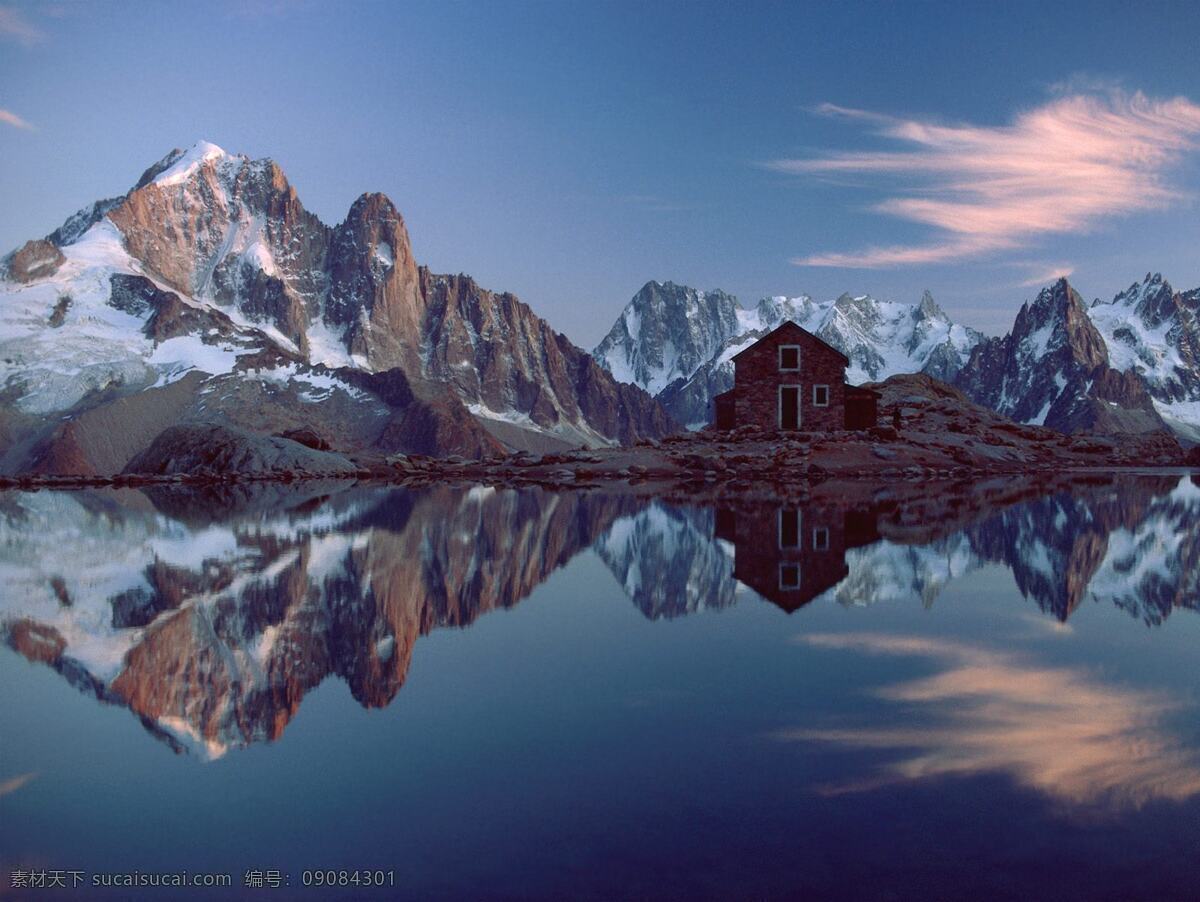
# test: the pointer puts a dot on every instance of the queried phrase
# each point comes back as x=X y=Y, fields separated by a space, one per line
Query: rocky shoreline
x=732 y=463
x=942 y=437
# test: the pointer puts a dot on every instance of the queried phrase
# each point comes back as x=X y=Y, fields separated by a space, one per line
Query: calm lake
x=489 y=693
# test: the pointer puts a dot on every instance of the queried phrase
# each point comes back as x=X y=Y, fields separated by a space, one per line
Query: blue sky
x=570 y=152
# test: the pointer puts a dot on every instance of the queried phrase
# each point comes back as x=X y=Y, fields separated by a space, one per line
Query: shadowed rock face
x=169 y=317
x=375 y=293
x=1105 y=401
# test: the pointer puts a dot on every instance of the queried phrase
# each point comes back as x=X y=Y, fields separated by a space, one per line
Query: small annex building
x=790 y=380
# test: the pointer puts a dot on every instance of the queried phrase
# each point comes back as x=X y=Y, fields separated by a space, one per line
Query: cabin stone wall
x=757 y=378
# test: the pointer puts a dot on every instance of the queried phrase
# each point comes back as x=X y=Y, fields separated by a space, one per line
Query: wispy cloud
x=14 y=120
x=12 y=784
x=1058 y=168
x=1048 y=274
x=15 y=27
x=1058 y=730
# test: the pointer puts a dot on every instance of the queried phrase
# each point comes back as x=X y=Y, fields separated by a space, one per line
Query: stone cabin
x=790 y=380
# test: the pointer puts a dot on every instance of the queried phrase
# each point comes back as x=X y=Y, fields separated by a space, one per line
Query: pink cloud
x=1058 y=168
x=1046 y=275
x=14 y=120
x=1057 y=730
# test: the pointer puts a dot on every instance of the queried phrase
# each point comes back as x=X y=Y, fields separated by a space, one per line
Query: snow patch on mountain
x=188 y=162
x=890 y=572
x=95 y=345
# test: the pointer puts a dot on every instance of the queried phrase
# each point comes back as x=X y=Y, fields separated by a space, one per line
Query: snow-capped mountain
x=211 y=264
x=667 y=332
x=1054 y=369
x=1155 y=331
x=679 y=343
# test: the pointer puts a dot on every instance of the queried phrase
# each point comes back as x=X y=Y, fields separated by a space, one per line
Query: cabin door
x=789 y=407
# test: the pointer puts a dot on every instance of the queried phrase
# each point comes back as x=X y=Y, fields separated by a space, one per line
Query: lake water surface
x=521 y=694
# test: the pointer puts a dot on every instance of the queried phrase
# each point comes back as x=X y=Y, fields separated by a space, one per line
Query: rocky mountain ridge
x=1130 y=365
x=211 y=264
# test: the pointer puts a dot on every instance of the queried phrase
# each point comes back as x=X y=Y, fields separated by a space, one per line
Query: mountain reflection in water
x=210 y=615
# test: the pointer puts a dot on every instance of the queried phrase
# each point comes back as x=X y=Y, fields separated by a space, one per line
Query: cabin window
x=789 y=577
x=820 y=538
x=789 y=358
x=789 y=528
x=820 y=396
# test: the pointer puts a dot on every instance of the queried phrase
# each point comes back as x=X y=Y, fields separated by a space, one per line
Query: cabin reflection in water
x=791 y=554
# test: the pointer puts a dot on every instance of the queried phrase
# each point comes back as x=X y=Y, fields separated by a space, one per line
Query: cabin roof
x=861 y=391
x=791 y=325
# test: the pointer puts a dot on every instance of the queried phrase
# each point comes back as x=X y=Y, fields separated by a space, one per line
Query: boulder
x=219 y=450
x=309 y=438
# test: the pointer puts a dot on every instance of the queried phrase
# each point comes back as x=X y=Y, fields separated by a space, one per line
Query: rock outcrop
x=216 y=448
x=36 y=259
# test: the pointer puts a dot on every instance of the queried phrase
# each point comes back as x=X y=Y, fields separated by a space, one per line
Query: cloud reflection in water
x=1057 y=730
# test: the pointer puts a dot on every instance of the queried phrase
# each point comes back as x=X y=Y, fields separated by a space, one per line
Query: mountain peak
x=928 y=307
x=1058 y=297
x=373 y=205
x=176 y=166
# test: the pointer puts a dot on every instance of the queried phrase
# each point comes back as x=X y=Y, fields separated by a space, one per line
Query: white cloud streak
x=14 y=120
x=1057 y=169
